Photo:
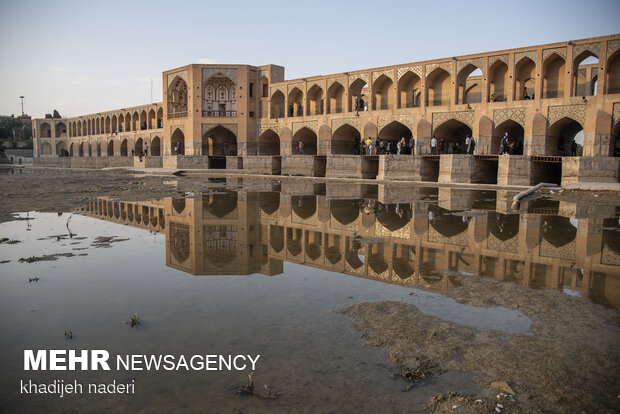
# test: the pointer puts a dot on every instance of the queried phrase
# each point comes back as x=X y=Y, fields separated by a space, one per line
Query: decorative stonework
x=356 y=76
x=616 y=113
x=609 y=257
x=612 y=46
x=510 y=245
x=350 y=269
x=262 y=127
x=594 y=48
x=331 y=81
x=264 y=73
x=335 y=224
x=387 y=72
x=493 y=59
x=277 y=88
x=311 y=125
x=532 y=54
x=298 y=85
x=318 y=83
x=182 y=74
x=447 y=66
x=206 y=127
x=568 y=251
x=230 y=73
x=560 y=51
x=384 y=120
x=435 y=237
x=414 y=69
x=516 y=114
x=383 y=275
x=402 y=233
x=466 y=117
x=338 y=122
x=172 y=129
x=576 y=112
x=477 y=62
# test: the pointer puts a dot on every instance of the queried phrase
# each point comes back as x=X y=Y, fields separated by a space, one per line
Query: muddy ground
x=570 y=363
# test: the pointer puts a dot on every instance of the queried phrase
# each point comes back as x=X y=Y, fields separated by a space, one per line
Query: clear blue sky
x=82 y=57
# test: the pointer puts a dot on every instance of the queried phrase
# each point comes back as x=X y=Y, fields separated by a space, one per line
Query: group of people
x=441 y=146
x=379 y=146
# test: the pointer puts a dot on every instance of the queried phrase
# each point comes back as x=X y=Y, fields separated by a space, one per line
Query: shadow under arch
x=304 y=206
x=504 y=226
x=394 y=216
x=219 y=204
x=558 y=230
x=269 y=202
x=448 y=225
x=344 y=211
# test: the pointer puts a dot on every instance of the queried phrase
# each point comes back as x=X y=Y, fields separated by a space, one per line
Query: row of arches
x=100 y=149
x=438 y=88
x=45 y=130
x=122 y=122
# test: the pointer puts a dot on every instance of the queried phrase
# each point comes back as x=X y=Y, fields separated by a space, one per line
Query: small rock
x=454 y=407
x=479 y=401
x=498 y=410
x=500 y=406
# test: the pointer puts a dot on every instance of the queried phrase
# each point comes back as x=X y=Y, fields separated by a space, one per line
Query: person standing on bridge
x=467 y=144
x=412 y=145
x=433 y=145
x=503 y=146
x=300 y=147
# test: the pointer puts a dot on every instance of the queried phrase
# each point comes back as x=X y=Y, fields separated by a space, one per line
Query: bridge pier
x=352 y=166
x=305 y=165
x=514 y=170
x=590 y=169
x=456 y=168
x=407 y=167
x=263 y=164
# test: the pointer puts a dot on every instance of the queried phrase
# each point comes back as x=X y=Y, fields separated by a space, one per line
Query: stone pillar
x=456 y=168
x=514 y=170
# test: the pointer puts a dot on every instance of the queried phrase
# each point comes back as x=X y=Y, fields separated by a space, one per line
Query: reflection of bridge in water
x=386 y=237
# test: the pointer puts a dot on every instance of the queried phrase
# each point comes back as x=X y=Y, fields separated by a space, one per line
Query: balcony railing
x=177 y=114
x=219 y=113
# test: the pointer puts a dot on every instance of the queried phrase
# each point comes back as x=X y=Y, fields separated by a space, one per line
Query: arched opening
x=560 y=136
x=124 y=148
x=61 y=149
x=89 y=130
x=45 y=131
x=438 y=86
x=315 y=101
x=99 y=149
x=382 y=93
x=151 y=120
x=61 y=130
x=451 y=137
x=585 y=67
x=79 y=128
x=295 y=103
x=160 y=118
x=90 y=150
x=71 y=150
x=107 y=124
x=313 y=242
x=394 y=216
x=409 y=87
x=97 y=127
x=357 y=97
x=613 y=73
x=220 y=204
x=138 y=147
x=276 y=238
x=557 y=230
x=219 y=96
x=393 y=133
x=114 y=126
x=277 y=105
x=135 y=122
x=553 y=77
x=46 y=148
x=446 y=224
x=498 y=81
x=403 y=261
x=156 y=147
x=81 y=150
x=110 y=148
x=177 y=98
x=177 y=142
x=525 y=73
x=469 y=81
x=121 y=123
x=332 y=248
x=219 y=141
x=503 y=226
x=127 y=122
x=376 y=258
x=354 y=253
x=335 y=98
x=345 y=140
x=308 y=138
x=515 y=137
x=264 y=87
x=304 y=206
x=293 y=241
x=344 y=211
x=269 y=143
x=269 y=202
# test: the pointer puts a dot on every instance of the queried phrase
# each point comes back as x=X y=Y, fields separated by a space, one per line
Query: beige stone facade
x=540 y=95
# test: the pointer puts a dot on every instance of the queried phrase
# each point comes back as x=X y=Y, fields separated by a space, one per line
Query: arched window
x=220 y=96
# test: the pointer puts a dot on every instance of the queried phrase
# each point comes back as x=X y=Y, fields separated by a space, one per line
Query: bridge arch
x=219 y=205
x=560 y=136
x=269 y=143
x=177 y=142
x=315 y=101
x=438 y=87
x=409 y=90
x=498 y=81
x=276 y=238
x=138 y=147
x=61 y=149
x=344 y=211
x=554 y=68
x=525 y=75
x=46 y=148
x=383 y=93
x=345 y=140
x=613 y=73
x=177 y=98
x=309 y=139
x=335 y=98
x=152 y=119
x=394 y=131
x=469 y=91
x=446 y=224
x=515 y=136
x=581 y=86
x=110 y=148
x=394 y=216
x=452 y=132
x=219 y=141
x=124 y=148
x=356 y=89
x=304 y=206
x=269 y=202
x=295 y=102
x=277 y=105
x=155 y=147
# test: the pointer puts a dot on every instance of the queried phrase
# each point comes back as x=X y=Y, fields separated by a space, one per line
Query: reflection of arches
x=313 y=242
x=304 y=206
x=447 y=224
x=560 y=136
x=401 y=262
x=453 y=131
x=269 y=143
x=515 y=137
x=220 y=204
x=276 y=238
x=332 y=249
x=409 y=87
x=376 y=258
x=177 y=142
x=553 y=77
x=353 y=253
x=344 y=211
x=179 y=205
x=308 y=137
x=557 y=230
x=503 y=226
x=394 y=216
x=345 y=140
x=438 y=88
x=219 y=141
x=269 y=202
x=293 y=241
x=179 y=243
x=611 y=229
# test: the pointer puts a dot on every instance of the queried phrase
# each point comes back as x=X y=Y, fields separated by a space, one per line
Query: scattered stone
x=499 y=405
x=498 y=410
